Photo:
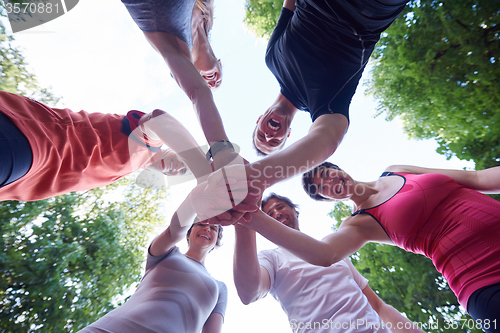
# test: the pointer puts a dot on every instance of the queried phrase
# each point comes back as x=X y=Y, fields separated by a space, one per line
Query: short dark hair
x=312 y=189
x=286 y=200
x=219 y=233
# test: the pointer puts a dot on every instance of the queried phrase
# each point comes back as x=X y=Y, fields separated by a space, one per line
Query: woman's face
x=204 y=235
x=333 y=184
x=170 y=164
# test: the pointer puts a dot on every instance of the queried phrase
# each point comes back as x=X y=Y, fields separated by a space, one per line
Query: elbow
x=327 y=260
x=247 y=298
x=195 y=90
x=325 y=263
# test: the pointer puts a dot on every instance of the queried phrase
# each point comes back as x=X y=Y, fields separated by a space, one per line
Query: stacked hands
x=227 y=196
x=224 y=196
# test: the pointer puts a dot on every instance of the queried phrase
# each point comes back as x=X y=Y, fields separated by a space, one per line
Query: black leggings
x=484 y=307
x=15 y=152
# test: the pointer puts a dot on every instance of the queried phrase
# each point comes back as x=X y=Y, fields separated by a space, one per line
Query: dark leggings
x=484 y=307
x=15 y=152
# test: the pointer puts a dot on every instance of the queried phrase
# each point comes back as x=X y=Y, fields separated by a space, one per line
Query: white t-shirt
x=320 y=299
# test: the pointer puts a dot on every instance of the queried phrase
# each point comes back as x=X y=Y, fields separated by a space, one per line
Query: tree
x=261 y=16
x=407 y=281
x=437 y=68
x=14 y=76
x=68 y=260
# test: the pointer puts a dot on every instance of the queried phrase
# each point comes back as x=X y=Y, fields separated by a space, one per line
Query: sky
x=97 y=60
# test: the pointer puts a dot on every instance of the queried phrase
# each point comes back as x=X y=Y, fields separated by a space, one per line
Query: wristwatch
x=217 y=147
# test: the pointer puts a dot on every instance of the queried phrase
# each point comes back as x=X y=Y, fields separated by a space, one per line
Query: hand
x=227 y=157
x=223 y=191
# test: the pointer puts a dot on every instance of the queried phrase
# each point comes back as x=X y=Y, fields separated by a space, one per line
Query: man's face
x=281 y=212
x=272 y=129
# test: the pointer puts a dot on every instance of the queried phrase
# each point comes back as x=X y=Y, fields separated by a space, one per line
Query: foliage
x=261 y=16
x=407 y=281
x=14 y=75
x=66 y=261
x=437 y=67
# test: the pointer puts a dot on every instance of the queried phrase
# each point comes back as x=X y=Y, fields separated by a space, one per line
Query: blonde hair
x=207 y=12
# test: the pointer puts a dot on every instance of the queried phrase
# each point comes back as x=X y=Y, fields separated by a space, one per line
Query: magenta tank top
x=458 y=228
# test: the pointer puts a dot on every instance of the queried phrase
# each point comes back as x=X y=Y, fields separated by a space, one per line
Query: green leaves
x=262 y=15
x=68 y=260
x=407 y=281
x=442 y=78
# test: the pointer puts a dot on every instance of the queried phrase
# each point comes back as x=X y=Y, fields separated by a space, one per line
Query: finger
x=225 y=216
x=212 y=220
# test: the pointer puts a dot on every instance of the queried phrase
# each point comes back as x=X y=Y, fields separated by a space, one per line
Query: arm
x=175 y=232
x=173 y=134
x=485 y=181
x=289 y=4
x=348 y=239
x=324 y=136
x=213 y=324
x=177 y=55
x=252 y=281
x=388 y=314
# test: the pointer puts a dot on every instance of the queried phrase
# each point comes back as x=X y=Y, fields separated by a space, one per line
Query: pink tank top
x=458 y=228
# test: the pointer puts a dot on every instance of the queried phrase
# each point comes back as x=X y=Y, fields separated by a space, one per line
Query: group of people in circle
x=317 y=53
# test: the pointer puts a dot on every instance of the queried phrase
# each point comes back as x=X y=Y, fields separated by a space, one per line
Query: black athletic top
x=318 y=52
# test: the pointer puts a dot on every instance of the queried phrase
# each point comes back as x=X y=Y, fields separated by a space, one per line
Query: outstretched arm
x=485 y=181
x=178 y=58
x=289 y=4
x=176 y=231
x=324 y=136
x=213 y=323
x=348 y=239
x=173 y=134
x=388 y=314
x=252 y=281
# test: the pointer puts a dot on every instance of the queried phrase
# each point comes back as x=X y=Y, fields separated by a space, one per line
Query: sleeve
x=361 y=281
x=268 y=261
x=152 y=261
x=130 y=128
x=285 y=17
x=341 y=102
x=221 y=305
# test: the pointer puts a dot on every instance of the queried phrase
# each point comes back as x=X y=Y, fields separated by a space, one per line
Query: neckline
x=195 y=260
x=385 y=174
